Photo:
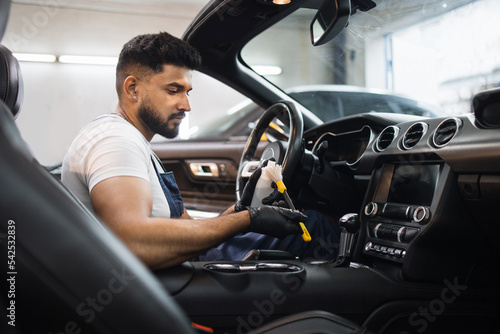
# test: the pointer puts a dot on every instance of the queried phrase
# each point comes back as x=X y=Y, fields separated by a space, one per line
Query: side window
x=215 y=107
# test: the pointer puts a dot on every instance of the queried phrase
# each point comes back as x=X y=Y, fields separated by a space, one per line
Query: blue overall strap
x=171 y=191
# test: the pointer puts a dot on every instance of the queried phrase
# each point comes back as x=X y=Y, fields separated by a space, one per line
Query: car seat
x=66 y=270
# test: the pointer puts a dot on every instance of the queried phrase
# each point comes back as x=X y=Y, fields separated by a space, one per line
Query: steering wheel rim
x=283 y=110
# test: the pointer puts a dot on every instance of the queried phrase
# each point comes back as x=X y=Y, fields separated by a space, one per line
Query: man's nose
x=184 y=103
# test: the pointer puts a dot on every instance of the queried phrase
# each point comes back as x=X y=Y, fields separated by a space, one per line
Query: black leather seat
x=68 y=271
x=71 y=272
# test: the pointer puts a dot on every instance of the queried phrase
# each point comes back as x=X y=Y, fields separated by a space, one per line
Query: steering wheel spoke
x=286 y=150
x=248 y=168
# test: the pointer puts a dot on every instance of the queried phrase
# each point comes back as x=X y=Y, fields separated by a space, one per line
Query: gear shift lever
x=349 y=225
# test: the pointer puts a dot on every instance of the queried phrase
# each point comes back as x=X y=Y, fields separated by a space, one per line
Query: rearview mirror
x=329 y=21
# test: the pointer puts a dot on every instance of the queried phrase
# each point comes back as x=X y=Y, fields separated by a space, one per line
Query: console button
x=400 y=234
x=397 y=211
x=384 y=232
x=410 y=233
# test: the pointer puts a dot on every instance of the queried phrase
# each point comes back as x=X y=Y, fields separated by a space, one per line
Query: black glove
x=275 y=198
x=247 y=194
x=275 y=221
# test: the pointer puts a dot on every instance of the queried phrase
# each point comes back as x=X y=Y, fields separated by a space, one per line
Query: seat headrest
x=11 y=81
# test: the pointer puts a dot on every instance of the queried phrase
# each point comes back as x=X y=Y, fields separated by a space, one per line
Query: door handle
x=208 y=169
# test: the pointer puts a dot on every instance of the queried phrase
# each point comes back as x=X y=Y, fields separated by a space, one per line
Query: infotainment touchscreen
x=412 y=184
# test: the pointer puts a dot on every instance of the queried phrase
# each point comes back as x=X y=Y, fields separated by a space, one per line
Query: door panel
x=205 y=171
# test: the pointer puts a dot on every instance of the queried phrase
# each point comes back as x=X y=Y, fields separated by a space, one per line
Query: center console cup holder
x=253 y=267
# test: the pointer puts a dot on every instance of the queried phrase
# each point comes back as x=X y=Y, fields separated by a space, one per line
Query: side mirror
x=329 y=21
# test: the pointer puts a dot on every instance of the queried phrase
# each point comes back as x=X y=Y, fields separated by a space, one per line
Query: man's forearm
x=228 y=211
x=167 y=242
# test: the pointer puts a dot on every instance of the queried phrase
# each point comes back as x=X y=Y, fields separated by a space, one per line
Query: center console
x=399 y=208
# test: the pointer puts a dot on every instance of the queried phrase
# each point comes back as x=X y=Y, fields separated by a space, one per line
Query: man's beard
x=153 y=120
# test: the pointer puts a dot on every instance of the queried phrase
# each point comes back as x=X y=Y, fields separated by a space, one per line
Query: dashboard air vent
x=446 y=131
x=413 y=135
x=386 y=137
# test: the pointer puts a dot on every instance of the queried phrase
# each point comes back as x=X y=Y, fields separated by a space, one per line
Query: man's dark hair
x=146 y=54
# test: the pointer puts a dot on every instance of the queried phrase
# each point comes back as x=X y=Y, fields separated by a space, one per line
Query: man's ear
x=129 y=87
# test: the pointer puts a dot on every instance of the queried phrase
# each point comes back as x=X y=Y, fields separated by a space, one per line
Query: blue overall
x=324 y=244
x=171 y=191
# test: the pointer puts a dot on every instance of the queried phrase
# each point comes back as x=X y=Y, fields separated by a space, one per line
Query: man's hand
x=247 y=195
x=275 y=198
x=275 y=221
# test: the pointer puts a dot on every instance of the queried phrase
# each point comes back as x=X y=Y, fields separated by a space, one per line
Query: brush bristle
x=273 y=171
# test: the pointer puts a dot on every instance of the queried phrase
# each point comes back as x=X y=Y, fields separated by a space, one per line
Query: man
x=110 y=166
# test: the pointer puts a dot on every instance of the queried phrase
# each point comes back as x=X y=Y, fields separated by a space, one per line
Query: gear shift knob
x=350 y=222
x=349 y=225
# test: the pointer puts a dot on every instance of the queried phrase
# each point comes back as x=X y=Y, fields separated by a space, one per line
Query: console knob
x=371 y=209
x=421 y=214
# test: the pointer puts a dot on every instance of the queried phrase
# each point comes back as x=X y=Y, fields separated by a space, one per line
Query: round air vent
x=446 y=131
x=413 y=135
x=386 y=137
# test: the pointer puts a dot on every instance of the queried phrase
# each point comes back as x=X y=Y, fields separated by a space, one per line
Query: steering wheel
x=287 y=154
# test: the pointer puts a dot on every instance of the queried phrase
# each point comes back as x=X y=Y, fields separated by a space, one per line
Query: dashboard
x=424 y=190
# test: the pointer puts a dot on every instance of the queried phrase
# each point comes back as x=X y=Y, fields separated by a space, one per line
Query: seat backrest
x=67 y=272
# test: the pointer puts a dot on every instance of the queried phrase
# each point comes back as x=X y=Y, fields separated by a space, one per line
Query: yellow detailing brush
x=273 y=171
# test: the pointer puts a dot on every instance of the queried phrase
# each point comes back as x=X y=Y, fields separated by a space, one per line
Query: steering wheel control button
x=371 y=209
x=421 y=215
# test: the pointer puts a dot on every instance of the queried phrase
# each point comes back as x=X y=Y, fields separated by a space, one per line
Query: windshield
x=434 y=53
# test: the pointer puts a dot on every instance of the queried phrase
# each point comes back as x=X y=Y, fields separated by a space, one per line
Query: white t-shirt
x=107 y=147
